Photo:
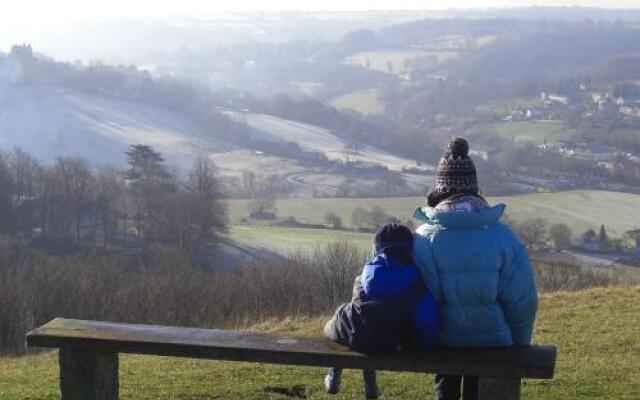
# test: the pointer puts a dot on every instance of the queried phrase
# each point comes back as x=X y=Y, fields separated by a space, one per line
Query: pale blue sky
x=25 y=17
x=18 y=12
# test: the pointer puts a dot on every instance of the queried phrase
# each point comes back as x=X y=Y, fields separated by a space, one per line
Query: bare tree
x=109 y=192
x=377 y=218
x=210 y=209
x=6 y=196
x=202 y=178
x=264 y=208
x=532 y=231
x=76 y=180
x=333 y=220
x=360 y=219
x=26 y=172
x=560 y=235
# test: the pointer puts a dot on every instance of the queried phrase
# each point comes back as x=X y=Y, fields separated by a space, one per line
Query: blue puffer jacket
x=480 y=275
x=385 y=278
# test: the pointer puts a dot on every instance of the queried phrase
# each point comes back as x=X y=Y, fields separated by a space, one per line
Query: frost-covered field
x=314 y=138
x=51 y=122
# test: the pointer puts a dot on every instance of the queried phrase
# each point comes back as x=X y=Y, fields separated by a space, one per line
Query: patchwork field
x=595 y=331
x=580 y=210
x=285 y=240
x=525 y=131
x=365 y=102
x=391 y=61
x=429 y=55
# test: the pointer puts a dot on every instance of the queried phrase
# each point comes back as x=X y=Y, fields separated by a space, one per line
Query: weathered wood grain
x=515 y=362
x=86 y=374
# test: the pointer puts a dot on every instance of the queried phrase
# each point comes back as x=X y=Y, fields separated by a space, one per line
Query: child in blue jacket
x=389 y=301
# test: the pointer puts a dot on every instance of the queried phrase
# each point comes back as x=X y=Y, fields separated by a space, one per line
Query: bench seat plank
x=515 y=362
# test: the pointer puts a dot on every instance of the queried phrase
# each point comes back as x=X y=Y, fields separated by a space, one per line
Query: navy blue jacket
x=389 y=301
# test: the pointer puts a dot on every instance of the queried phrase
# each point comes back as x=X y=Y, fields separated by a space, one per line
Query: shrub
x=560 y=276
x=36 y=288
x=333 y=220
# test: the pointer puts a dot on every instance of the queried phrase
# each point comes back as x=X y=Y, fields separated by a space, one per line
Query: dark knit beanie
x=393 y=236
x=456 y=173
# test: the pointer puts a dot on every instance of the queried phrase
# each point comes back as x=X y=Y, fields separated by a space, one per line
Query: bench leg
x=88 y=375
x=498 y=389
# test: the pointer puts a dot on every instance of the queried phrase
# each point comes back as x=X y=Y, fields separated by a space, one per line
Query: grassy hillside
x=315 y=138
x=290 y=240
x=52 y=122
x=366 y=102
x=524 y=131
x=581 y=210
x=595 y=331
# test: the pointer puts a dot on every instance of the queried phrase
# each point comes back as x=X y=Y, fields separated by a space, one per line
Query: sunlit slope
x=315 y=138
x=595 y=332
x=52 y=122
x=287 y=241
x=581 y=210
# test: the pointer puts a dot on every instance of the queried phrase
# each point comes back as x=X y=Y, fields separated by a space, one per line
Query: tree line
x=36 y=287
x=70 y=204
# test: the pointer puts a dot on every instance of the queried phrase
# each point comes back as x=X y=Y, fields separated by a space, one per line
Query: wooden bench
x=89 y=356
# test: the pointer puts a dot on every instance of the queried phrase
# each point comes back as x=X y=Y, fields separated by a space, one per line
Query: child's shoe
x=371 y=391
x=332 y=380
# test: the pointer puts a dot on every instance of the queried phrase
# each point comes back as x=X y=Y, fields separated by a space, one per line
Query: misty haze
x=192 y=180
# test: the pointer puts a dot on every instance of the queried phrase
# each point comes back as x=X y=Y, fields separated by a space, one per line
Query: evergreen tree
x=602 y=236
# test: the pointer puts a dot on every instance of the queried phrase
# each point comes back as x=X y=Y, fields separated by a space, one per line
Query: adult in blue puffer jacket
x=474 y=265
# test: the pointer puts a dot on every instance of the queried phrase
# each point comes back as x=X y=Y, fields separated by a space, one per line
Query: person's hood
x=384 y=260
x=487 y=216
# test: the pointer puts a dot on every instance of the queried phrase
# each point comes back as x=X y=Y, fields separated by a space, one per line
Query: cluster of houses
x=606 y=157
x=629 y=243
x=550 y=107
x=631 y=240
x=585 y=151
x=609 y=104
x=588 y=102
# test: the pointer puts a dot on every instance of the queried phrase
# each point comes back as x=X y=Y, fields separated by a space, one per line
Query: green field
x=285 y=240
x=596 y=332
x=580 y=210
x=365 y=102
x=524 y=131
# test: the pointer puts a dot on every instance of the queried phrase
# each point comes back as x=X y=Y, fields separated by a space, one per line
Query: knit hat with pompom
x=456 y=173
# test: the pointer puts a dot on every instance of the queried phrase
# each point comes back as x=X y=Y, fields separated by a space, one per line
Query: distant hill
x=49 y=122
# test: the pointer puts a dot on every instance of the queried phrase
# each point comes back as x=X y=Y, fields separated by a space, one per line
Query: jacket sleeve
x=426 y=263
x=381 y=281
x=518 y=295
x=426 y=321
x=357 y=288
